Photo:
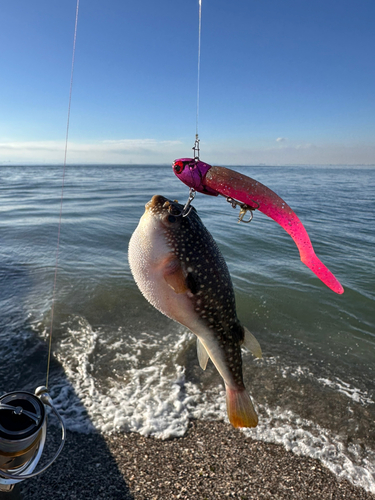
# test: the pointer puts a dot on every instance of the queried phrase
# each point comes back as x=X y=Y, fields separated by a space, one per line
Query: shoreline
x=211 y=461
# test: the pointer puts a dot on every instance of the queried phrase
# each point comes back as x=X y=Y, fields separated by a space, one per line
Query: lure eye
x=171 y=218
x=178 y=167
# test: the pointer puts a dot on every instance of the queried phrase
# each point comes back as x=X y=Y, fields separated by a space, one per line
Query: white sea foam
x=155 y=399
x=148 y=402
x=350 y=391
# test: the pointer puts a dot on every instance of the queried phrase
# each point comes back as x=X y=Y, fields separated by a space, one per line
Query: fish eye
x=171 y=218
x=178 y=167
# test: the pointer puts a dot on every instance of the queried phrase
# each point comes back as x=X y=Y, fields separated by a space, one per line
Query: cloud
x=281 y=139
x=299 y=154
x=108 y=151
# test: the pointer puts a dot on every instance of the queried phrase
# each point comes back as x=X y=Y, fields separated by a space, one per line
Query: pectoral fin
x=174 y=275
x=202 y=355
x=251 y=343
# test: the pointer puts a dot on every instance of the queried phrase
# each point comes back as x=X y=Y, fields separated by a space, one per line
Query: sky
x=281 y=82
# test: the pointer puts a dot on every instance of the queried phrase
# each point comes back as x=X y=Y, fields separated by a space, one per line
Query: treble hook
x=243 y=209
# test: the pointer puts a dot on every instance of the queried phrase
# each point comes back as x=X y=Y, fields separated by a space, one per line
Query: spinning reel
x=23 y=429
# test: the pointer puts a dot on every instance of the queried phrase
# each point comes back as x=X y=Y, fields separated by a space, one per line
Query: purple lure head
x=192 y=173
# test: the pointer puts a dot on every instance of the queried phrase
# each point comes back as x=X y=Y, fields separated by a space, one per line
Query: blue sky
x=281 y=82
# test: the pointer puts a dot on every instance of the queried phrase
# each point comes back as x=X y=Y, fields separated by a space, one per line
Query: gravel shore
x=212 y=461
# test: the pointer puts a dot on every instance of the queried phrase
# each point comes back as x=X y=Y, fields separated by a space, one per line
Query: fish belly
x=149 y=256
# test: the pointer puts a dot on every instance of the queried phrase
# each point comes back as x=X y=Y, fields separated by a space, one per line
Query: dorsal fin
x=202 y=354
x=251 y=343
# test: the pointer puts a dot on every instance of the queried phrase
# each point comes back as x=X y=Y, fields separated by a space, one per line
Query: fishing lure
x=253 y=195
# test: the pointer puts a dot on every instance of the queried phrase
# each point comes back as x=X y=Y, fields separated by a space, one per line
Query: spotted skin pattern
x=209 y=281
x=198 y=282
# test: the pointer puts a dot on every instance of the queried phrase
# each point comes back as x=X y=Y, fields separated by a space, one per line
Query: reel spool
x=23 y=429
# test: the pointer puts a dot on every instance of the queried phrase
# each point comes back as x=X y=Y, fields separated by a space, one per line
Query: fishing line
x=196 y=144
x=23 y=415
x=199 y=62
x=62 y=195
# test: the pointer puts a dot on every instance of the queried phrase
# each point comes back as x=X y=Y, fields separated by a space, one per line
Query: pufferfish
x=180 y=270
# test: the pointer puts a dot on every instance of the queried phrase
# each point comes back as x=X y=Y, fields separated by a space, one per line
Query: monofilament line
x=199 y=64
x=62 y=195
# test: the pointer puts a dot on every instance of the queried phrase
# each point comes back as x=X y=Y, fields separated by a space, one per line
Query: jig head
x=192 y=172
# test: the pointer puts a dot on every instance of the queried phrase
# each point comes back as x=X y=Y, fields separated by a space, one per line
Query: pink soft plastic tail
x=227 y=182
x=242 y=188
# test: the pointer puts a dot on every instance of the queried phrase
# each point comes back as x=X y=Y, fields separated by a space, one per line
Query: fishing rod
x=23 y=415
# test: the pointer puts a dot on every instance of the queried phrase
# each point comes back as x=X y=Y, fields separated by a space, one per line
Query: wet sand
x=212 y=461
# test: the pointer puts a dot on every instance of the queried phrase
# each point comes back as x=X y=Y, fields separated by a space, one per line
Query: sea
x=119 y=365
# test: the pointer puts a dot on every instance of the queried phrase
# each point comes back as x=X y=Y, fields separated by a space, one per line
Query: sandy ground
x=212 y=461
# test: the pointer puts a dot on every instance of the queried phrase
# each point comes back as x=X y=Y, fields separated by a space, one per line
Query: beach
x=212 y=461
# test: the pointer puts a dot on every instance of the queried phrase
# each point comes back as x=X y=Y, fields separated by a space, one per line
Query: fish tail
x=240 y=409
